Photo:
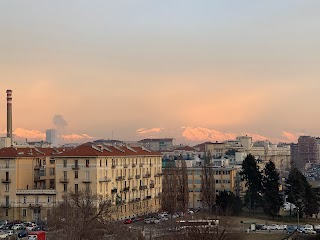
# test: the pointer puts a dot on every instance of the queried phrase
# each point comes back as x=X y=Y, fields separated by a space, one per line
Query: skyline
x=180 y=69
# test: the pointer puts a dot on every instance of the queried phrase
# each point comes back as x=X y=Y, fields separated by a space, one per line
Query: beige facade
x=225 y=180
x=34 y=179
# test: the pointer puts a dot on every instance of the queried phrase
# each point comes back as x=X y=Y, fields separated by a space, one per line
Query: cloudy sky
x=184 y=69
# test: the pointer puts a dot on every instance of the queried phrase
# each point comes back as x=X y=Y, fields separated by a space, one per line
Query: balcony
x=113 y=165
x=141 y=164
x=64 y=180
x=37 y=192
x=125 y=165
x=36 y=167
x=105 y=179
x=35 y=205
x=151 y=185
x=133 y=165
x=75 y=167
x=137 y=176
x=158 y=175
x=86 y=181
x=114 y=191
x=126 y=189
x=158 y=196
x=130 y=177
x=147 y=175
x=134 y=189
x=151 y=164
x=120 y=178
x=143 y=187
x=120 y=202
x=6 y=180
x=5 y=205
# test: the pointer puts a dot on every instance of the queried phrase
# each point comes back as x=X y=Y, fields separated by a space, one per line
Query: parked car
x=282 y=227
x=274 y=227
x=264 y=227
x=147 y=220
x=309 y=231
x=135 y=219
x=128 y=221
x=291 y=229
x=259 y=226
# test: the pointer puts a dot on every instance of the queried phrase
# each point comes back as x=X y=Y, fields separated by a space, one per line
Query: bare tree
x=169 y=189
x=183 y=189
x=208 y=192
x=80 y=216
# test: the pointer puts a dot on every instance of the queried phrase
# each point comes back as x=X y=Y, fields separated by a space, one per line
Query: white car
x=274 y=227
x=154 y=220
x=308 y=227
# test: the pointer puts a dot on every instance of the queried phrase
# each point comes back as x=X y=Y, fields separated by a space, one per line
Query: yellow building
x=35 y=179
x=225 y=179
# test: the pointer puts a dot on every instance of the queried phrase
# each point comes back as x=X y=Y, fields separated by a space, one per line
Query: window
x=87 y=163
x=24 y=199
x=76 y=174
x=7 y=212
x=7 y=187
x=7 y=163
x=100 y=163
x=24 y=212
x=76 y=188
x=64 y=163
x=88 y=187
x=52 y=161
x=51 y=171
x=37 y=200
x=65 y=187
x=49 y=200
x=44 y=162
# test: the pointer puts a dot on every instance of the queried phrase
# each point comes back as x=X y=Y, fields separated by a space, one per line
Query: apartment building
x=157 y=144
x=35 y=179
x=225 y=177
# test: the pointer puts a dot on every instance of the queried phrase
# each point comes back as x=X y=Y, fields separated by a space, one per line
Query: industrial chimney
x=9 y=115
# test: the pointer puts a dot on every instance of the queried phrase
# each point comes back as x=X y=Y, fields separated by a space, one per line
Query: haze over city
x=190 y=70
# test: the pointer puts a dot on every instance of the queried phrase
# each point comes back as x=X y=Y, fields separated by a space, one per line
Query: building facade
x=35 y=179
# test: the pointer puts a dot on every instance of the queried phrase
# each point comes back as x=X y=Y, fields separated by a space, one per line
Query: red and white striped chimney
x=9 y=115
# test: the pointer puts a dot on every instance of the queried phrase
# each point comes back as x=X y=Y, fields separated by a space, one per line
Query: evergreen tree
x=228 y=203
x=251 y=174
x=271 y=198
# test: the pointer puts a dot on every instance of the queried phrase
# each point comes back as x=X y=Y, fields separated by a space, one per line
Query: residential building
x=35 y=179
x=157 y=144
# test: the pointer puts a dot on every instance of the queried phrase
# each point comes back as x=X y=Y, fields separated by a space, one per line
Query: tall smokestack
x=9 y=115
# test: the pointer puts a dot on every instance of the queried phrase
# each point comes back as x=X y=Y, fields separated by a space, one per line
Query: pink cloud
x=144 y=131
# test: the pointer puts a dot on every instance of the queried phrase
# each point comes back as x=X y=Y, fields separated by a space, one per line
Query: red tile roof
x=84 y=150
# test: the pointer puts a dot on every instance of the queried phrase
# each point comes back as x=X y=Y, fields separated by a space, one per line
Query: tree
x=271 y=195
x=169 y=189
x=208 y=192
x=80 y=216
x=228 y=203
x=183 y=191
x=251 y=174
x=300 y=193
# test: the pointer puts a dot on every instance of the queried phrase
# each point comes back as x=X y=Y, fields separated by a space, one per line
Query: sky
x=191 y=70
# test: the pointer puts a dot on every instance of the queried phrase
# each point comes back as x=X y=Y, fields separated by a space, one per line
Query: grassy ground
x=265 y=236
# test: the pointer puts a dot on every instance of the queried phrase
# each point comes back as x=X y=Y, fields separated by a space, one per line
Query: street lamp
x=298 y=218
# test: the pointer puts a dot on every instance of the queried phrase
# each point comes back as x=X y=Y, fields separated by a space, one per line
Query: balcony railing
x=125 y=165
x=133 y=165
x=147 y=175
x=86 y=181
x=126 y=189
x=6 y=180
x=134 y=188
x=5 y=205
x=64 y=180
x=113 y=165
x=105 y=179
x=158 y=175
x=151 y=164
x=114 y=191
x=120 y=178
x=130 y=177
x=141 y=164
x=36 y=192
x=35 y=205
x=143 y=187
x=75 y=167
x=137 y=176
x=151 y=185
